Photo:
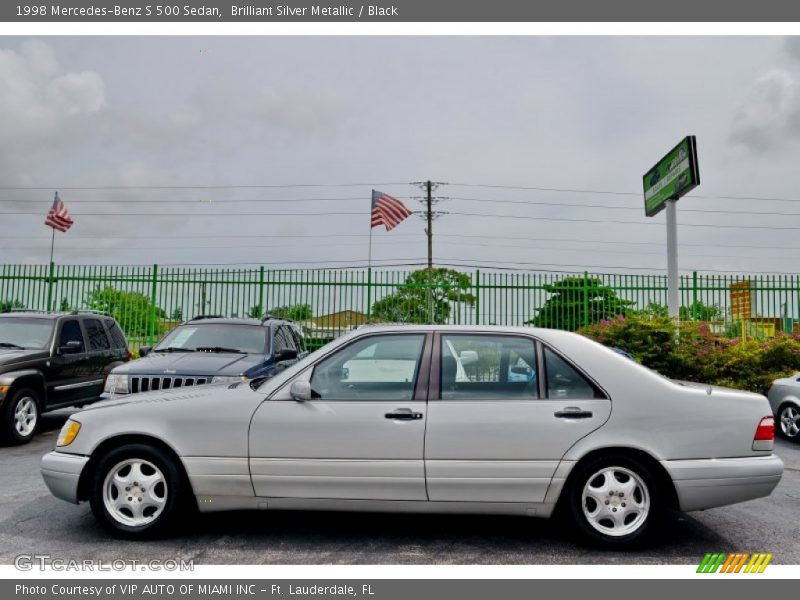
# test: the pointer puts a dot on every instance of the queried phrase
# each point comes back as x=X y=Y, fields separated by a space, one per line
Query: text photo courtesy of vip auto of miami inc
x=394 y=300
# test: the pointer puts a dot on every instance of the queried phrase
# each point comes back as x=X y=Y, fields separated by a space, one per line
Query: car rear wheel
x=614 y=501
x=20 y=416
x=137 y=491
x=789 y=419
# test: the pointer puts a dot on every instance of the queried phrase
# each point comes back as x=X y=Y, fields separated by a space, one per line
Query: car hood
x=179 y=395
x=12 y=356
x=194 y=363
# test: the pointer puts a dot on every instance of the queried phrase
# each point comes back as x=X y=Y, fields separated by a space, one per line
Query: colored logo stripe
x=737 y=562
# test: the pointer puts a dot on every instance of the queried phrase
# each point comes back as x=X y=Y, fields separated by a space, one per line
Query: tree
x=294 y=312
x=704 y=313
x=131 y=309
x=571 y=298
x=409 y=304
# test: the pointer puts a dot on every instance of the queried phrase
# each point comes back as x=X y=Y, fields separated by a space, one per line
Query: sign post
x=672 y=177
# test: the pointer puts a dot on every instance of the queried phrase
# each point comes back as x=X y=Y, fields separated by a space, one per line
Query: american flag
x=58 y=217
x=387 y=211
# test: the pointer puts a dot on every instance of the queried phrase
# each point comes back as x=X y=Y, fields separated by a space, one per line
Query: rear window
x=116 y=335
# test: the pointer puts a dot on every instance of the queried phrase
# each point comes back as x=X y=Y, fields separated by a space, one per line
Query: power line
x=196 y=187
x=618 y=222
x=618 y=207
x=395 y=243
x=615 y=193
x=464 y=214
x=219 y=202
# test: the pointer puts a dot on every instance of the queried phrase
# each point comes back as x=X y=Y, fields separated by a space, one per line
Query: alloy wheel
x=135 y=492
x=790 y=421
x=26 y=415
x=615 y=501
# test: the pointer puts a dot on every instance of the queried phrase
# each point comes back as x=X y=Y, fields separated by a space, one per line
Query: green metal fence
x=150 y=300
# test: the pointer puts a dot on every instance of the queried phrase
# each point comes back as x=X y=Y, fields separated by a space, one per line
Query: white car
x=426 y=419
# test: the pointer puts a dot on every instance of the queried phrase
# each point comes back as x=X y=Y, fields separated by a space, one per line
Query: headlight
x=68 y=433
x=226 y=379
x=116 y=384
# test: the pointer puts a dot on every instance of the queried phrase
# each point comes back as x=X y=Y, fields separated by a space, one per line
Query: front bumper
x=62 y=472
x=709 y=483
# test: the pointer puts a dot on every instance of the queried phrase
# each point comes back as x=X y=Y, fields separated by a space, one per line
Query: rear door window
x=98 y=340
x=117 y=336
x=488 y=367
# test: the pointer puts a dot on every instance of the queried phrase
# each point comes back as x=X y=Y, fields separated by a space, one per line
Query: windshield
x=25 y=333
x=251 y=339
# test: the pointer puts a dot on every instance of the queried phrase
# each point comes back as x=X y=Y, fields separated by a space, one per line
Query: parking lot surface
x=32 y=521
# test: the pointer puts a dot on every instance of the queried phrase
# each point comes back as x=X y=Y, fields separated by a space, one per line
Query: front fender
x=7 y=381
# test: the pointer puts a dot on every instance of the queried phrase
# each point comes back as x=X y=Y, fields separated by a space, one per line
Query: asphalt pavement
x=32 y=521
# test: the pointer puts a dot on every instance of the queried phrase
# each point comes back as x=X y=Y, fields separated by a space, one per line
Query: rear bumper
x=62 y=472
x=709 y=483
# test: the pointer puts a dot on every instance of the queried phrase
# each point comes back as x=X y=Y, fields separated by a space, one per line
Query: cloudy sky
x=187 y=150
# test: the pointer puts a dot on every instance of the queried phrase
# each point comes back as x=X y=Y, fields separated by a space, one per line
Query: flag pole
x=52 y=244
x=369 y=263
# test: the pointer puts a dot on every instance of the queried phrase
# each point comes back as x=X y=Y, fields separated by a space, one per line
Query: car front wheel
x=137 y=491
x=20 y=416
x=789 y=420
x=614 y=501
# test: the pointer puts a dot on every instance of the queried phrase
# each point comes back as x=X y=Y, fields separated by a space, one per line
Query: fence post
x=585 y=298
x=261 y=291
x=50 y=281
x=369 y=293
x=152 y=324
x=694 y=295
x=477 y=296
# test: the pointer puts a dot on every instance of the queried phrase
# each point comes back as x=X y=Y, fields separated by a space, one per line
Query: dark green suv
x=53 y=360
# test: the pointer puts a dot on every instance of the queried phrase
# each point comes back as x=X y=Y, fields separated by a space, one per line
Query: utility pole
x=429 y=217
x=429 y=187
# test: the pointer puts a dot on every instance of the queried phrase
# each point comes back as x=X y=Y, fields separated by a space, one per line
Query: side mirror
x=286 y=354
x=520 y=370
x=300 y=391
x=468 y=357
x=71 y=347
x=144 y=351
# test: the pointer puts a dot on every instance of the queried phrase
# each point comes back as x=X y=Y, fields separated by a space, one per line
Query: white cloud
x=769 y=117
x=78 y=93
x=37 y=98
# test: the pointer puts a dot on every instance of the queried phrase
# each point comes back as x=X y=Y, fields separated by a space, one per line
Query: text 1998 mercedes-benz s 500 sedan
x=430 y=419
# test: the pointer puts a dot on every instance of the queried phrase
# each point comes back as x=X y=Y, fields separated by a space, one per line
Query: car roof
x=540 y=332
x=214 y=320
x=39 y=314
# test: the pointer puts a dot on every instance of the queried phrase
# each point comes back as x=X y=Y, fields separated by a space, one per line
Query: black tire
x=12 y=431
x=779 y=424
x=172 y=489
x=632 y=523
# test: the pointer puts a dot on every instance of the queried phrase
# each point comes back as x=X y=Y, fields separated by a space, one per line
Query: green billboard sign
x=672 y=177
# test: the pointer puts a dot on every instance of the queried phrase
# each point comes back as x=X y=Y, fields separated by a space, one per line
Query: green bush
x=691 y=352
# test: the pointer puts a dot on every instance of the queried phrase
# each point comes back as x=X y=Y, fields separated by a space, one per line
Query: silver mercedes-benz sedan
x=428 y=419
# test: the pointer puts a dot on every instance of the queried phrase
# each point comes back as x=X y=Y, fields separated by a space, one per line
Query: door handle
x=573 y=412
x=404 y=414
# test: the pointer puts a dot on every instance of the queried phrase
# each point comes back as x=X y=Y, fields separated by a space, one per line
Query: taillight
x=764 y=438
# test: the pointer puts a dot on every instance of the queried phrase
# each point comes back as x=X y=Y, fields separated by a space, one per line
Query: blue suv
x=211 y=349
